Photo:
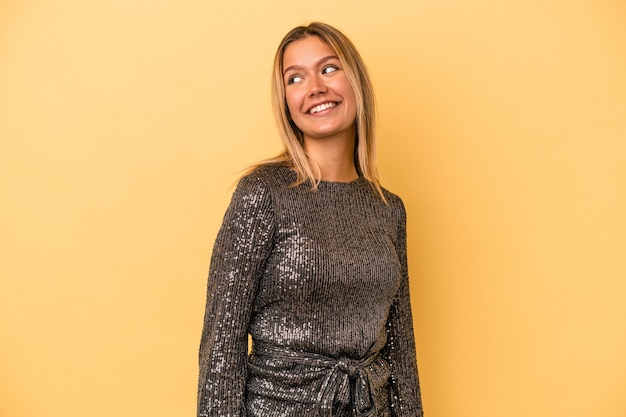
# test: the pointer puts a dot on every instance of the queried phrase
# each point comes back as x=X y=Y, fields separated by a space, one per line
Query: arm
x=241 y=249
x=400 y=350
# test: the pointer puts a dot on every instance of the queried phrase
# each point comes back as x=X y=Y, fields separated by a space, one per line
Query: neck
x=334 y=157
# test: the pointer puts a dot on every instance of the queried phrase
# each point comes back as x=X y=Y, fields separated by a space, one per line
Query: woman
x=311 y=258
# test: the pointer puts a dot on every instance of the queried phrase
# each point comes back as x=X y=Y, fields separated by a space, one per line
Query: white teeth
x=321 y=107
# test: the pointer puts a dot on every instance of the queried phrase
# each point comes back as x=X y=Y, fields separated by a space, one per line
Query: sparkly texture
x=319 y=279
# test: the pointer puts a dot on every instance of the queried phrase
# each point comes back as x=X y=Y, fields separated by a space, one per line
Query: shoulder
x=269 y=176
x=262 y=183
x=395 y=203
x=397 y=214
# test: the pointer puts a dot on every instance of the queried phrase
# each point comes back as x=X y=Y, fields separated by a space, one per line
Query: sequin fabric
x=319 y=280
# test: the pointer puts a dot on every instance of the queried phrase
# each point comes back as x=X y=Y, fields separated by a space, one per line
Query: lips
x=321 y=107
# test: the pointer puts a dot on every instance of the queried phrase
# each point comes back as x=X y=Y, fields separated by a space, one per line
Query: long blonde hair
x=292 y=137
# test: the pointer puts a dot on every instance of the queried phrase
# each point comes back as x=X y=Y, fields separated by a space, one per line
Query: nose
x=317 y=86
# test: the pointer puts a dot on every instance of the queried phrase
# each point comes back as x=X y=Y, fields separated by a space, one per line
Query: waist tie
x=347 y=378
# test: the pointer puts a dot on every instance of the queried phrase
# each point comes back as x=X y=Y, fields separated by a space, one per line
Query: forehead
x=306 y=52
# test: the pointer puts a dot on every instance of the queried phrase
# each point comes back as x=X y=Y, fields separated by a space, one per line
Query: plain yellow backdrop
x=124 y=123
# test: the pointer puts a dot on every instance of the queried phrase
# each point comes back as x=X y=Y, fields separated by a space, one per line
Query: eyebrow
x=321 y=61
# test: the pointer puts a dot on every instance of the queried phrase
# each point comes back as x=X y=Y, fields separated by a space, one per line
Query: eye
x=329 y=68
x=294 y=79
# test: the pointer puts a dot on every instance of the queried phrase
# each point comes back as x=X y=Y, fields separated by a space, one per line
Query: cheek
x=350 y=100
x=293 y=112
x=292 y=103
x=291 y=109
x=346 y=91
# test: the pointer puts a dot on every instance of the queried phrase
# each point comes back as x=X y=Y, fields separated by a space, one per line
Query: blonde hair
x=293 y=154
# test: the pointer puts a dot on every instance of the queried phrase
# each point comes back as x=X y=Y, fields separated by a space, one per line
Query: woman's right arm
x=241 y=249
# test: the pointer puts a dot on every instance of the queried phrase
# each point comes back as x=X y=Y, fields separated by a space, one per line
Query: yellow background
x=124 y=123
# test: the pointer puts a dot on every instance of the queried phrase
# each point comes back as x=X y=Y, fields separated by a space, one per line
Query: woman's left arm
x=400 y=349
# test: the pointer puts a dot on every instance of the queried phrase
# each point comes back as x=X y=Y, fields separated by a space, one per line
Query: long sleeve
x=400 y=350
x=241 y=249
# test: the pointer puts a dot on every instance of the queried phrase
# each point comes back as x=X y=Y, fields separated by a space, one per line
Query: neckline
x=340 y=185
x=326 y=183
x=354 y=181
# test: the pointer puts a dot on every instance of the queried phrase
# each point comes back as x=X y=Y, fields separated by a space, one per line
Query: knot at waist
x=343 y=381
x=349 y=367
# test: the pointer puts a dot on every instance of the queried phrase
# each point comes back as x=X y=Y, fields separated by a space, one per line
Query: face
x=318 y=94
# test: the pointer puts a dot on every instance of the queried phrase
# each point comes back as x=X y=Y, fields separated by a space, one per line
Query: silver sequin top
x=319 y=280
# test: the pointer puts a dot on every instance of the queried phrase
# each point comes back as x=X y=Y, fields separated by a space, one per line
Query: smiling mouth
x=322 y=107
